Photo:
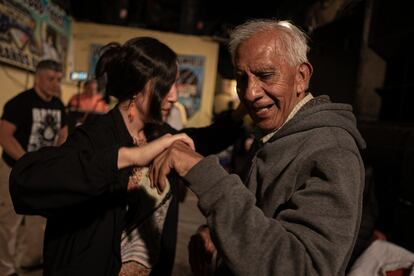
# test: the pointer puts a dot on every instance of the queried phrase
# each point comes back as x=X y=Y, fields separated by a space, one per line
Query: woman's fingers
x=186 y=139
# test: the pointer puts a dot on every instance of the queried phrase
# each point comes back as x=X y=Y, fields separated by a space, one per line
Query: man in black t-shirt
x=31 y=120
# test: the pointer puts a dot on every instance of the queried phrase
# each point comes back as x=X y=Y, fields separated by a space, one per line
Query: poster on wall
x=33 y=30
x=190 y=82
x=94 y=56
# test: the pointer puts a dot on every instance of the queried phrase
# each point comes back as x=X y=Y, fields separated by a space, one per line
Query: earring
x=131 y=112
x=130 y=117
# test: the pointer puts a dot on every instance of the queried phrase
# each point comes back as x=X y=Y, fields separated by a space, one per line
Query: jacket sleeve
x=59 y=179
x=208 y=140
x=311 y=234
x=217 y=136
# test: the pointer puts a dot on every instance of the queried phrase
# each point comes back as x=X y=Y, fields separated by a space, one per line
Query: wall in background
x=84 y=35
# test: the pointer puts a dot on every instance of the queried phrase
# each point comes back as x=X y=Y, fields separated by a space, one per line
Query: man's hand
x=179 y=157
x=200 y=252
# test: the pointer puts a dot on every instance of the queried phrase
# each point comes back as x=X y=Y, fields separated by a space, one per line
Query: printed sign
x=190 y=82
x=33 y=30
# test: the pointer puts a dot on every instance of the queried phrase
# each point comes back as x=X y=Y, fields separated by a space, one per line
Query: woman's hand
x=143 y=155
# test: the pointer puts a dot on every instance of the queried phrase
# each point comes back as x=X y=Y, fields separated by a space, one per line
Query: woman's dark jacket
x=80 y=191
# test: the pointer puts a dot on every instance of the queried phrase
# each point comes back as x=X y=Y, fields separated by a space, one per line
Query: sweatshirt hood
x=320 y=112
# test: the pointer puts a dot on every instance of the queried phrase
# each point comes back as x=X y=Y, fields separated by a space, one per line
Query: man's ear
x=303 y=75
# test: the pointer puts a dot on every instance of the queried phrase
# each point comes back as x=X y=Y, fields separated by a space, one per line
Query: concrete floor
x=190 y=218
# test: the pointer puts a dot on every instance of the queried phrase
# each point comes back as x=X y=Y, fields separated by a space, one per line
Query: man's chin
x=266 y=126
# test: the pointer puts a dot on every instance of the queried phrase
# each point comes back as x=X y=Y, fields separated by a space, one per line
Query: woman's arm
x=54 y=179
x=143 y=155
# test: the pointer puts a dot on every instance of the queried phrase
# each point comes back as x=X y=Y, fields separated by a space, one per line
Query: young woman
x=104 y=215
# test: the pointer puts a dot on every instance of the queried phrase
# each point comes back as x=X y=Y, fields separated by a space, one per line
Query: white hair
x=294 y=40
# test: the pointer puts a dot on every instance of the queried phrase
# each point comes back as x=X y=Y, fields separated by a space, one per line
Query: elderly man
x=298 y=210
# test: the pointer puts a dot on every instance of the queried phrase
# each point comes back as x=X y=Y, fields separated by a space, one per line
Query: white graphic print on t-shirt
x=45 y=127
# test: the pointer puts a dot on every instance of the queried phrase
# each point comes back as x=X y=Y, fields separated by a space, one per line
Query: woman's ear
x=303 y=75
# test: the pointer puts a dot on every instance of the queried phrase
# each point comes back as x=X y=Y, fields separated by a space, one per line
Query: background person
x=31 y=120
x=90 y=100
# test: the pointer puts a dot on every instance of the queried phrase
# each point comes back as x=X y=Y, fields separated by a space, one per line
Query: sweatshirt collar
x=295 y=110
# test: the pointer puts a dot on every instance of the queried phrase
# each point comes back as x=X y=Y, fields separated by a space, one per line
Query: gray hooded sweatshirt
x=299 y=210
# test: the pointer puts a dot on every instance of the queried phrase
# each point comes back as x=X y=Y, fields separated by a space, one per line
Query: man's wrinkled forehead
x=267 y=39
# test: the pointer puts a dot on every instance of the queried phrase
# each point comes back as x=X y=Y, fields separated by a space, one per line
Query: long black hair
x=128 y=67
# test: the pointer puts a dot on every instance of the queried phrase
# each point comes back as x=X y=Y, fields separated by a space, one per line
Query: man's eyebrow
x=264 y=68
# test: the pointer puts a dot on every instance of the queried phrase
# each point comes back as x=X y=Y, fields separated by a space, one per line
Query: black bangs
x=127 y=68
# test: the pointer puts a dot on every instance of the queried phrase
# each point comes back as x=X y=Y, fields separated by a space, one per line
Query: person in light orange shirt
x=90 y=100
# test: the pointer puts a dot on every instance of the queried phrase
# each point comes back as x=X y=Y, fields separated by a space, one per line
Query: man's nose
x=252 y=91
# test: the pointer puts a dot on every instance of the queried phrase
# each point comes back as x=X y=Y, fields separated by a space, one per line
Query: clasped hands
x=169 y=152
x=180 y=156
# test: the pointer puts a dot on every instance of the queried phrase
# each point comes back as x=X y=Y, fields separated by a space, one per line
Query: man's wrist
x=190 y=164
